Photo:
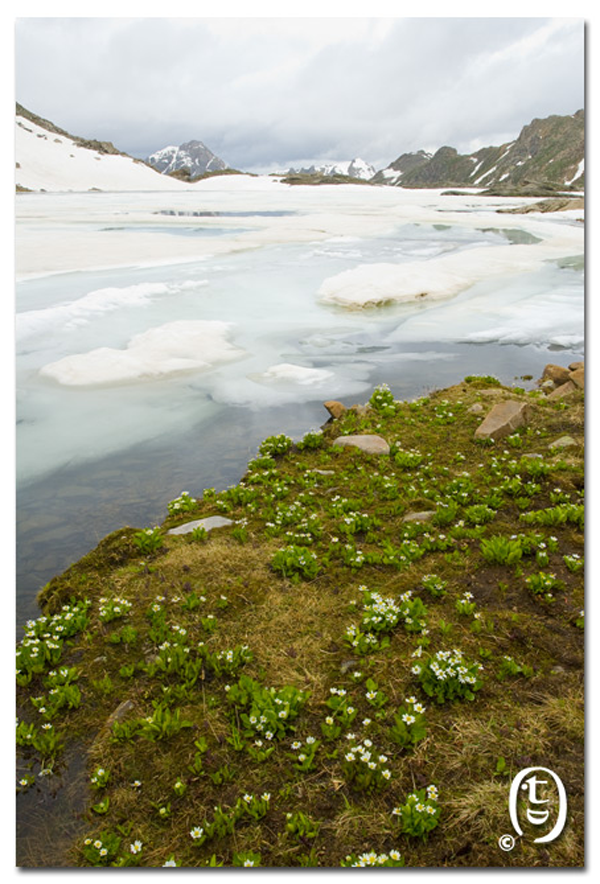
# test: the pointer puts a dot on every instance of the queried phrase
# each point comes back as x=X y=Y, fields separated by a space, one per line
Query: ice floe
x=168 y=349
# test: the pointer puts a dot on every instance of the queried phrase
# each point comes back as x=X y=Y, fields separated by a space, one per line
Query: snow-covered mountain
x=355 y=168
x=50 y=159
x=194 y=157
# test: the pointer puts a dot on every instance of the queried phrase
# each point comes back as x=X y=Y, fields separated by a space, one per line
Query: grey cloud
x=268 y=93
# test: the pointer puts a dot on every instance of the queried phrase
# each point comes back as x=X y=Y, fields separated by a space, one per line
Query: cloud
x=263 y=92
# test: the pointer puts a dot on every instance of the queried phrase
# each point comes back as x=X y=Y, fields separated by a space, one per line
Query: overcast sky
x=267 y=93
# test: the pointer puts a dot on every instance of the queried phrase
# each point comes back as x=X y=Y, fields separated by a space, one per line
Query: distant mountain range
x=546 y=158
x=547 y=152
x=190 y=160
x=355 y=168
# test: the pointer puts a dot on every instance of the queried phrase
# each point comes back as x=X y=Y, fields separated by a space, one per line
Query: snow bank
x=184 y=345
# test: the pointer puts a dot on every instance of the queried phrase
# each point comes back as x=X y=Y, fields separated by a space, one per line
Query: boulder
x=208 y=524
x=366 y=442
x=576 y=365
x=562 y=391
x=556 y=373
x=578 y=377
x=503 y=419
x=335 y=409
x=547 y=386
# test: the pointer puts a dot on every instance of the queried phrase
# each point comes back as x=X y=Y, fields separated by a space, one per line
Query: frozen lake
x=161 y=336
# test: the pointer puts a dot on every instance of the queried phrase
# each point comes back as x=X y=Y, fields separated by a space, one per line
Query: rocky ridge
x=548 y=152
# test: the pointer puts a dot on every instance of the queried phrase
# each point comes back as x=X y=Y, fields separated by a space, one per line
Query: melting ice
x=126 y=333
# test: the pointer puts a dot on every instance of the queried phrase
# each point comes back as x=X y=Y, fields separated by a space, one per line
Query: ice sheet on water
x=183 y=345
x=73 y=314
x=542 y=308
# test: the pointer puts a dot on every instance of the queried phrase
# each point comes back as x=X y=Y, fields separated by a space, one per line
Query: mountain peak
x=193 y=156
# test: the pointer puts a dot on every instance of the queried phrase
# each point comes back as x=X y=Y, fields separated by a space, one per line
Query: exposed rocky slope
x=548 y=152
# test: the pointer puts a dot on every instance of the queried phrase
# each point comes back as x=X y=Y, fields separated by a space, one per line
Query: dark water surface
x=65 y=514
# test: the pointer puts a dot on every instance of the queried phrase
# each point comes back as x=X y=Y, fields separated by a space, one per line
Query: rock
x=547 y=386
x=556 y=373
x=360 y=410
x=574 y=366
x=425 y=516
x=120 y=712
x=370 y=443
x=503 y=419
x=335 y=409
x=563 y=442
x=323 y=472
x=208 y=524
x=562 y=391
x=475 y=408
x=578 y=377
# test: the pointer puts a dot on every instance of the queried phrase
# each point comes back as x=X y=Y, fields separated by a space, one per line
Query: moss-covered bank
x=267 y=693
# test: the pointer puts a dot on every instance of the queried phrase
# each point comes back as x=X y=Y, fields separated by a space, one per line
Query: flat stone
x=556 y=373
x=578 y=377
x=367 y=442
x=476 y=408
x=562 y=391
x=425 y=516
x=335 y=409
x=503 y=419
x=574 y=366
x=563 y=442
x=208 y=524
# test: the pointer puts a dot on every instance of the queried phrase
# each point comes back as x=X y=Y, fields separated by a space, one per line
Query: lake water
x=161 y=337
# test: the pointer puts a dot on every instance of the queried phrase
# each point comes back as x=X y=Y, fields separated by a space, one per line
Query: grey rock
x=476 y=408
x=208 y=524
x=120 y=712
x=424 y=516
x=503 y=419
x=547 y=386
x=563 y=442
x=324 y=472
x=369 y=443
x=361 y=410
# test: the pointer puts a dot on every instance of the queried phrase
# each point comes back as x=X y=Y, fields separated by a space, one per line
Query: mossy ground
x=348 y=509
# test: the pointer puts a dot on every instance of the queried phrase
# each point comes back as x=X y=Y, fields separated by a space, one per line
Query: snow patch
x=183 y=345
x=580 y=169
x=296 y=374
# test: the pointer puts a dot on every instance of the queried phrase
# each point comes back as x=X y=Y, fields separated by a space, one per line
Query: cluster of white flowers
x=372 y=858
x=113 y=608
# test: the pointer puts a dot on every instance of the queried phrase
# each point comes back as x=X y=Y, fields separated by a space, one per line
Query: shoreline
x=250 y=596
